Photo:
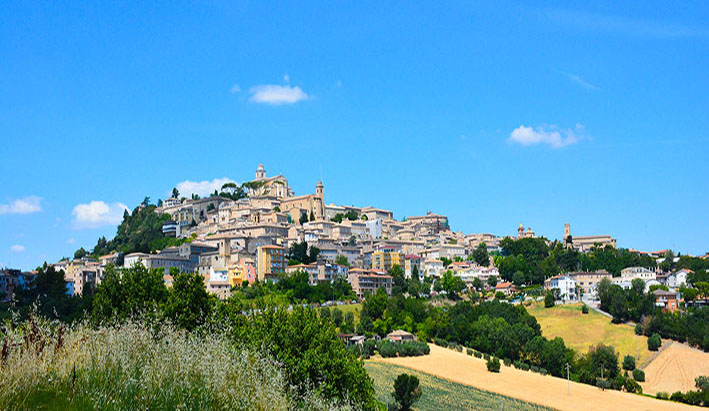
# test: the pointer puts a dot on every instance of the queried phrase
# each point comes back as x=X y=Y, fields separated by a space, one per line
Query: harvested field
x=580 y=331
x=527 y=386
x=675 y=369
x=439 y=394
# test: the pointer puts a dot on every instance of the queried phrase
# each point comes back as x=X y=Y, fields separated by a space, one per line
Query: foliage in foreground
x=134 y=366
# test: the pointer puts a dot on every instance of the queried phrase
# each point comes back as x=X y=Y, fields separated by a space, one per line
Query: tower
x=260 y=172
x=567 y=231
x=319 y=190
x=520 y=230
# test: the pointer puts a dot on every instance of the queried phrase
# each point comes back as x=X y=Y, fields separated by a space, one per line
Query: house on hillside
x=666 y=299
x=400 y=336
x=565 y=284
x=506 y=288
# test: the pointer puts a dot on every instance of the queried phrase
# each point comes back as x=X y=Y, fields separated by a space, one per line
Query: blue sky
x=493 y=114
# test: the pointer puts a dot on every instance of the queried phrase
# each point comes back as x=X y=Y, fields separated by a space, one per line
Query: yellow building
x=385 y=259
x=271 y=262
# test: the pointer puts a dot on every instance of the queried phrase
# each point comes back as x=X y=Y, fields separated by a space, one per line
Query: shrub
x=440 y=342
x=387 y=349
x=368 y=348
x=543 y=371
x=602 y=383
x=584 y=309
x=549 y=300
x=662 y=395
x=629 y=362
x=459 y=348
x=639 y=375
x=469 y=351
x=478 y=354
x=493 y=365
x=632 y=386
x=486 y=357
x=412 y=348
x=518 y=364
x=507 y=361
x=654 y=342
x=638 y=329
x=677 y=396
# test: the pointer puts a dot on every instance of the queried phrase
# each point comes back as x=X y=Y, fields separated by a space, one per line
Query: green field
x=580 y=331
x=439 y=394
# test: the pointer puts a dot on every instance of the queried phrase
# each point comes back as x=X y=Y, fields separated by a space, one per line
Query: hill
x=525 y=385
x=441 y=394
x=580 y=331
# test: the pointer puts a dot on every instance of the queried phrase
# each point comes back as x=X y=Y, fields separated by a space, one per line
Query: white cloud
x=202 y=188
x=25 y=205
x=235 y=89
x=551 y=135
x=17 y=248
x=276 y=95
x=97 y=214
x=579 y=81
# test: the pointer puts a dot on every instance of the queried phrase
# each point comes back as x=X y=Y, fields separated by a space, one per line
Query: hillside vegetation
x=133 y=366
x=581 y=331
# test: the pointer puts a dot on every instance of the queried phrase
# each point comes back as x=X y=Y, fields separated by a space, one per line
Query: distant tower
x=319 y=190
x=567 y=231
x=260 y=172
x=520 y=230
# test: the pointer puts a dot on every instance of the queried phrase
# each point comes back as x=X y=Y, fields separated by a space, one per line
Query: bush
x=629 y=362
x=639 y=375
x=477 y=354
x=654 y=342
x=602 y=383
x=638 y=329
x=507 y=361
x=368 y=348
x=543 y=371
x=459 y=348
x=493 y=365
x=486 y=357
x=632 y=386
x=549 y=300
x=584 y=309
x=387 y=349
x=677 y=396
x=412 y=348
x=440 y=342
x=469 y=351
x=662 y=395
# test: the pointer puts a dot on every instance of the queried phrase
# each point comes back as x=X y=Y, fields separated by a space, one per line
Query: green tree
x=303 y=218
x=337 y=316
x=342 y=260
x=629 y=362
x=478 y=283
x=518 y=278
x=325 y=313
x=80 y=253
x=188 y=303
x=406 y=391
x=492 y=281
x=175 y=193
x=481 y=256
x=135 y=291
x=312 y=216
x=654 y=342
x=549 y=299
x=493 y=364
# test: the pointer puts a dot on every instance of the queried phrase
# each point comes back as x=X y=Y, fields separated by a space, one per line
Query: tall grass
x=133 y=366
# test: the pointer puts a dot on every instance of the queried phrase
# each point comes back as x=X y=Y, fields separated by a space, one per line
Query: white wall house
x=565 y=284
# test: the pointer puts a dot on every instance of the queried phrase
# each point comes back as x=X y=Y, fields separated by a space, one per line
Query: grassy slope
x=440 y=394
x=351 y=308
x=580 y=331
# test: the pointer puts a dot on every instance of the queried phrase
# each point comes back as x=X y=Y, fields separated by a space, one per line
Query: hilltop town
x=249 y=233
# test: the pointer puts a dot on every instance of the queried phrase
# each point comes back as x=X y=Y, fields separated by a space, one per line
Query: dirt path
x=675 y=369
x=528 y=386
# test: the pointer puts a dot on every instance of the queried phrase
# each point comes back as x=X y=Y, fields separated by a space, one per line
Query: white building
x=565 y=284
